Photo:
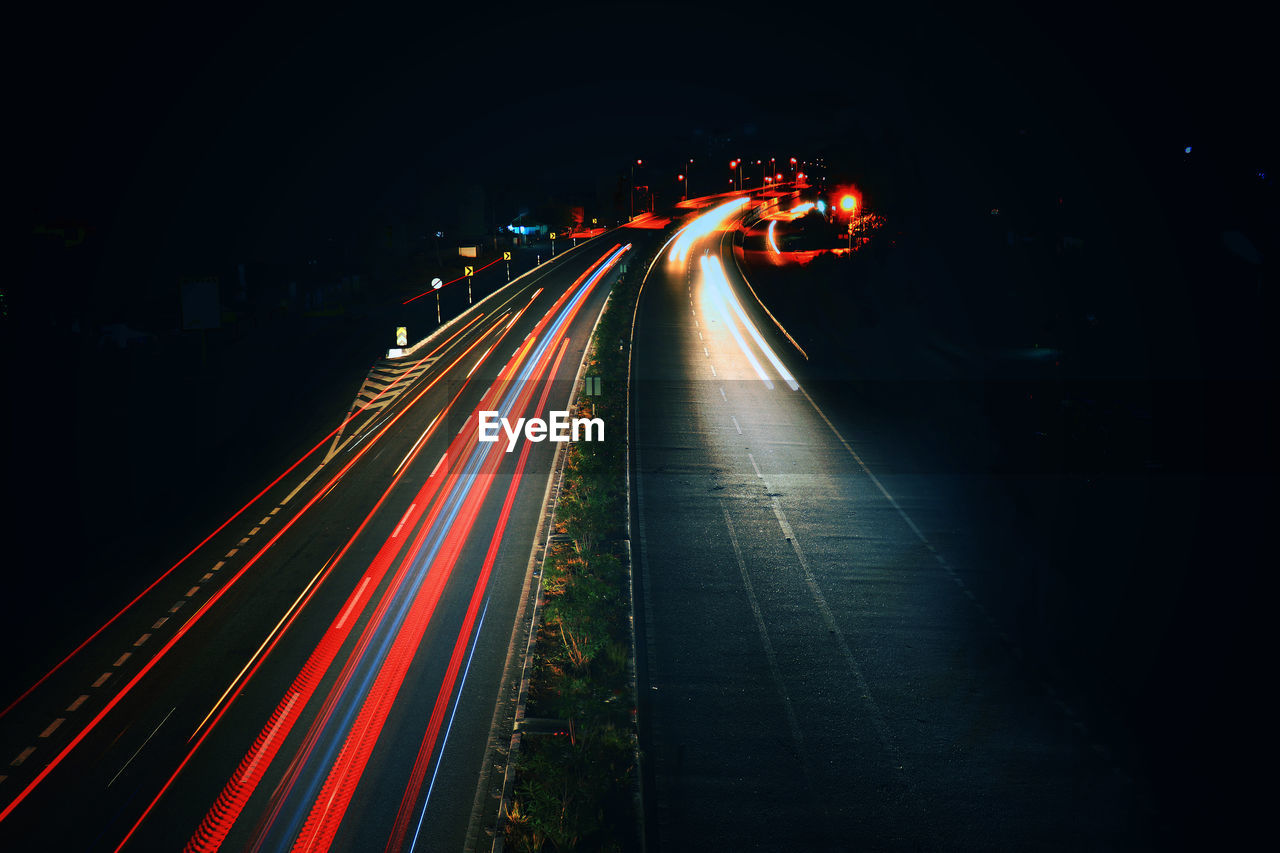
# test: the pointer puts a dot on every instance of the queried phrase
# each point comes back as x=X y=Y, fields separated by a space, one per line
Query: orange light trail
x=190 y=623
x=220 y=527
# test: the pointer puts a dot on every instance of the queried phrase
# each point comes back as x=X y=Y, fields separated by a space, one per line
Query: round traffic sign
x=437 y=283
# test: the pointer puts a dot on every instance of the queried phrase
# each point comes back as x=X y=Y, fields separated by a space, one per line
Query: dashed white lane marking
x=79 y=701
x=139 y=749
x=53 y=726
x=255 y=530
x=265 y=519
x=877 y=716
x=176 y=605
x=232 y=552
x=141 y=640
x=243 y=541
x=403 y=519
x=206 y=577
x=218 y=565
x=22 y=756
x=124 y=657
x=722 y=396
x=293 y=697
x=102 y=679
x=769 y=654
x=699 y=335
x=274 y=511
x=192 y=591
x=159 y=622
x=355 y=599
x=704 y=352
x=755 y=466
x=713 y=370
x=735 y=424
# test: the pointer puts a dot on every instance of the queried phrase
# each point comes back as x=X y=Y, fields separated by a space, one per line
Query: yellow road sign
x=506 y=256
x=402 y=336
x=594 y=221
x=468 y=270
x=553 y=235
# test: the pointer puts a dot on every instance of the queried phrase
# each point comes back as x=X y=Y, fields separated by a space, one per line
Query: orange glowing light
x=848 y=203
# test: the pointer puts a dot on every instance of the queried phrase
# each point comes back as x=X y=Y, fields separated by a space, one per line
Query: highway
x=321 y=672
x=817 y=671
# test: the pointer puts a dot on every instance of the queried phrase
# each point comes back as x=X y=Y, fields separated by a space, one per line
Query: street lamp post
x=688 y=177
x=680 y=179
x=631 y=188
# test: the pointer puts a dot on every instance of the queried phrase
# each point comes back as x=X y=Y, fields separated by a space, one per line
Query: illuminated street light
x=680 y=178
x=632 y=189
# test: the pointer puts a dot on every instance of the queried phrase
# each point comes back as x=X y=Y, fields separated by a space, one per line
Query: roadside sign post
x=436 y=284
x=402 y=336
x=506 y=256
x=553 y=244
x=468 y=272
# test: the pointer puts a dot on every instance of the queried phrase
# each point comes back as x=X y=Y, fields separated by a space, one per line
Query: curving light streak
x=718 y=289
x=801 y=208
x=702 y=226
x=773 y=244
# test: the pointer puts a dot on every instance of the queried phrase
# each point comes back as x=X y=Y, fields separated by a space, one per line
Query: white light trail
x=718 y=284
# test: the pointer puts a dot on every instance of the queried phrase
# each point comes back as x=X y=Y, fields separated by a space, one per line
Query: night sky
x=215 y=136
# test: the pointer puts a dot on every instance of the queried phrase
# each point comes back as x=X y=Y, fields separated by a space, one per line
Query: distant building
x=528 y=228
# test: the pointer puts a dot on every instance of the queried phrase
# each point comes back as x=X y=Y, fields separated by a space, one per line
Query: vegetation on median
x=574 y=785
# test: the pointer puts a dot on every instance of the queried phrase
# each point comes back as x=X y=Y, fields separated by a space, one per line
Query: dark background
x=309 y=145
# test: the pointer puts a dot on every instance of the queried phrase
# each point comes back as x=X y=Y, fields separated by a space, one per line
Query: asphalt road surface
x=323 y=669
x=817 y=671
